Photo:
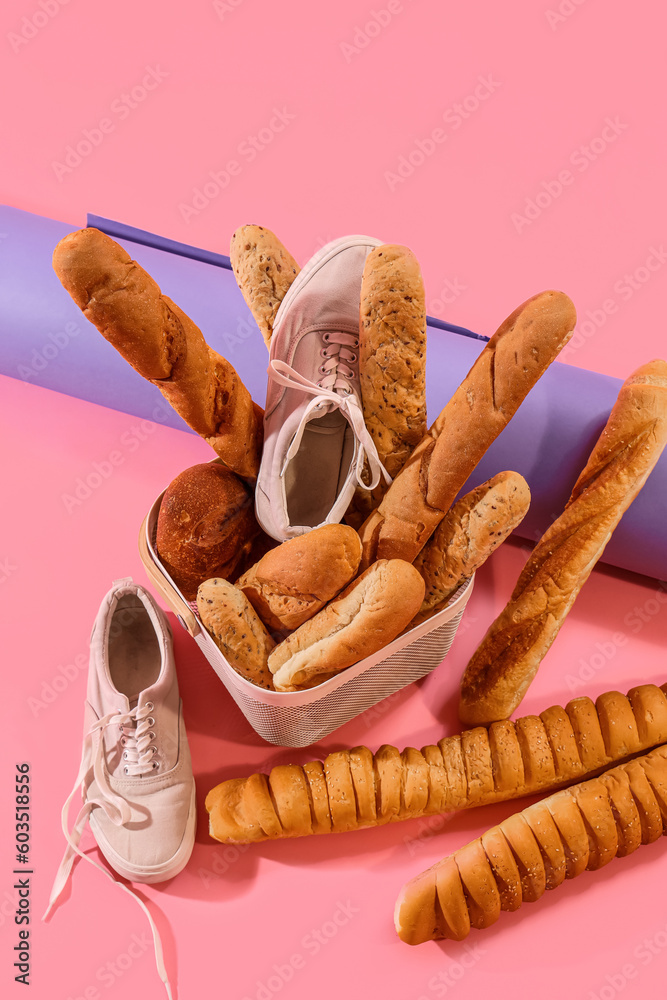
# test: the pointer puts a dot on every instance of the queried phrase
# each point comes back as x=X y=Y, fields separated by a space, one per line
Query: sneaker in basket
x=136 y=774
x=315 y=441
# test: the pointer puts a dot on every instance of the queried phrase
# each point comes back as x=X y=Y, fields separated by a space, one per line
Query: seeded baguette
x=508 y=367
x=467 y=535
x=392 y=363
x=236 y=629
x=354 y=789
x=264 y=270
x=579 y=829
x=506 y=661
x=162 y=344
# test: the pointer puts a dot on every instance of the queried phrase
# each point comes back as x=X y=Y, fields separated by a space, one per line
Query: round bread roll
x=205 y=526
x=294 y=581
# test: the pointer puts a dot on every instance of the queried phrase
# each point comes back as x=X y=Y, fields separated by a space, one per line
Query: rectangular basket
x=299 y=718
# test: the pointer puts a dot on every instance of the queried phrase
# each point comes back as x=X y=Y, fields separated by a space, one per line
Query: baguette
x=366 y=616
x=162 y=344
x=478 y=767
x=264 y=270
x=509 y=366
x=579 y=829
x=510 y=653
x=467 y=535
x=392 y=364
x=294 y=581
x=236 y=630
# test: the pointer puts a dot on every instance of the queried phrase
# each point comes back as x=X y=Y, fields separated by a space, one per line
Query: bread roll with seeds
x=162 y=344
x=477 y=767
x=467 y=535
x=294 y=581
x=508 y=657
x=392 y=363
x=580 y=829
x=264 y=270
x=508 y=367
x=236 y=629
x=368 y=615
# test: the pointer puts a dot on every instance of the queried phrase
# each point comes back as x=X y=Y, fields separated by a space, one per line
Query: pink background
x=220 y=72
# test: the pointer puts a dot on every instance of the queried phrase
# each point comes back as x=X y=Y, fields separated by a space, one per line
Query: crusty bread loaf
x=477 y=767
x=162 y=344
x=467 y=535
x=392 y=363
x=579 y=829
x=264 y=270
x=238 y=633
x=206 y=524
x=508 y=367
x=294 y=581
x=509 y=655
x=369 y=613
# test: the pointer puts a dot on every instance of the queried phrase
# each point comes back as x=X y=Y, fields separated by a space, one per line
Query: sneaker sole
x=149 y=874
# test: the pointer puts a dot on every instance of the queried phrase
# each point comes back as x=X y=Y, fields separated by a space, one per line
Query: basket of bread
x=322 y=561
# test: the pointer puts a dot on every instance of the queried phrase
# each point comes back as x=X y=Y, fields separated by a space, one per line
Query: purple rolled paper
x=45 y=339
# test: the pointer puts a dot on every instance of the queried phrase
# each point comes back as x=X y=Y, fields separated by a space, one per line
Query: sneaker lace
x=135 y=737
x=334 y=388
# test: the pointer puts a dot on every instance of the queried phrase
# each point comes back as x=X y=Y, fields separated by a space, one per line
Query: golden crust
x=264 y=270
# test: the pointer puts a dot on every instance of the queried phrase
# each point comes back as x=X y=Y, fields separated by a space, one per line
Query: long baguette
x=162 y=344
x=510 y=364
x=510 y=653
x=579 y=829
x=354 y=789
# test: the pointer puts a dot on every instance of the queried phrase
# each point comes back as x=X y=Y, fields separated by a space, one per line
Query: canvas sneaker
x=315 y=441
x=136 y=774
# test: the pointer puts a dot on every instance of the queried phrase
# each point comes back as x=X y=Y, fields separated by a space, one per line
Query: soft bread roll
x=508 y=367
x=582 y=828
x=295 y=580
x=264 y=270
x=477 y=767
x=370 y=613
x=205 y=526
x=238 y=633
x=392 y=363
x=467 y=535
x=162 y=344
x=510 y=653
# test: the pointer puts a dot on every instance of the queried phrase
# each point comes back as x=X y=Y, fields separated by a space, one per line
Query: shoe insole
x=316 y=474
x=133 y=648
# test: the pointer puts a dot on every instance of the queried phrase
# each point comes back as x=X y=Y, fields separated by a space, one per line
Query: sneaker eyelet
x=150 y=720
x=123 y=741
x=151 y=736
x=155 y=765
x=325 y=338
x=149 y=706
x=126 y=770
x=125 y=756
x=154 y=749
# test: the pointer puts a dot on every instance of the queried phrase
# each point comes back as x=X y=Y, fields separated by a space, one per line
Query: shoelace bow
x=334 y=387
x=135 y=737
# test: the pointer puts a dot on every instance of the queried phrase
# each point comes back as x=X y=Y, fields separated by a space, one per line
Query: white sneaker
x=136 y=774
x=315 y=439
